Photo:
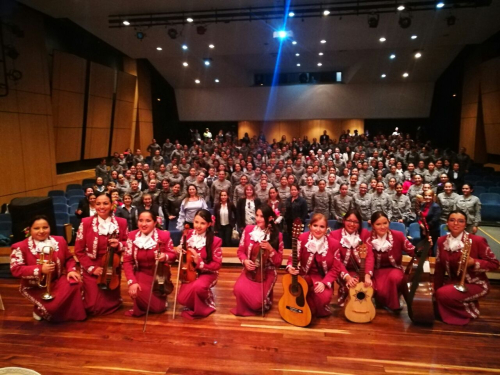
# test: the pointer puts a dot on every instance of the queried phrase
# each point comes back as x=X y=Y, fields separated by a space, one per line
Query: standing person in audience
x=308 y=191
x=456 y=176
x=283 y=189
x=225 y=218
x=218 y=185
x=156 y=161
x=239 y=190
x=128 y=212
x=197 y=296
x=141 y=181
x=431 y=212
x=101 y=170
x=174 y=201
x=447 y=200
x=246 y=207
x=401 y=207
x=453 y=306
x=295 y=207
x=471 y=206
x=153 y=147
x=61 y=269
x=138 y=157
x=322 y=200
x=351 y=236
x=262 y=191
x=202 y=187
x=189 y=206
x=362 y=202
x=83 y=206
x=145 y=246
x=249 y=296
x=431 y=175
x=416 y=189
x=388 y=246
x=274 y=201
x=319 y=264
x=175 y=177
x=149 y=205
x=92 y=242
x=341 y=203
x=99 y=186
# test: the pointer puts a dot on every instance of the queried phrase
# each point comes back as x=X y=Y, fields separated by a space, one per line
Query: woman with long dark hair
x=197 y=296
x=66 y=281
x=249 y=295
x=225 y=218
x=189 y=206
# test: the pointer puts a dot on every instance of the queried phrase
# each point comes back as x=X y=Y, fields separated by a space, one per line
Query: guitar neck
x=295 y=260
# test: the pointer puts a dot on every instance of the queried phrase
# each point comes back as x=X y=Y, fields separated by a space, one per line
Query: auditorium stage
x=225 y=344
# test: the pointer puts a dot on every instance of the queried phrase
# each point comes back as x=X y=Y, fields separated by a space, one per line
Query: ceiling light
x=185 y=63
x=159 y=48
x=383 y=75
x=189 y=19
x=262 y=84
x=184 y=47
x=319 y=64
x=414 y=37
x=196 y=81
x=382 y=40
x=405 y=75
x=321 y=53
x=207 y=62
x=211 y=46
x=297 y=54
x=172 y=33
x=404 y=22
x=298 y=64
x=418 y=55
x=159 y=99
x=217 y=80
x=392 y=56
x=291 y=14
x=323 y=41
x=401 y=8
x=326 y=12
x=294 y=42
x=126 y=23
x=440 y=5
x=373 y=20
x=454 y=95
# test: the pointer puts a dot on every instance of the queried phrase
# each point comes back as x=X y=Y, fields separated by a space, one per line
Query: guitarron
x=293 y=305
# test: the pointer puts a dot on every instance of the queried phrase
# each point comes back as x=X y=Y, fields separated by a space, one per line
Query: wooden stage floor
x=225 y=344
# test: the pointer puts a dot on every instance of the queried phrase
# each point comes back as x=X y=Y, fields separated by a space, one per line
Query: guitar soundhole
x=296 y=291
x=360 y=296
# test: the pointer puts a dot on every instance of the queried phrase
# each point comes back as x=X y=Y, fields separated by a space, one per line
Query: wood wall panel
x=121 y=140
x=491 y=107
x=145 y=115
x=125 y=88
x=36 y=141
x=353 y=124
x=145 y=135
x=64 y=136
x=124 y=113
x=144 y=88
x=469 y=110
x=67 y=109
x=33 y=103
x=9 y=104
x=68 y=72
x=11 y=146
x=102 y=81
x=99 y=112
x=490 y=75
x=492 y=132
x=97 y=143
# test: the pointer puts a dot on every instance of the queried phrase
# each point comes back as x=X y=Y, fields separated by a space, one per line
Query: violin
x=162 y=283
x=109 y=279
x=259 y=256
x=187 y=270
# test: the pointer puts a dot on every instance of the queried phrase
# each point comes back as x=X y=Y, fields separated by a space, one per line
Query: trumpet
x=462 y=266
x=45 y=280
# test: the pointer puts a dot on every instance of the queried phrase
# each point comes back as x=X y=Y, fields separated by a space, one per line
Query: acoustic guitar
x=293 y=305
x=359 y=307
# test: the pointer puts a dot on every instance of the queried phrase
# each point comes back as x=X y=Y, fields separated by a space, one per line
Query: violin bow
x=184 y=239
x=152 y=287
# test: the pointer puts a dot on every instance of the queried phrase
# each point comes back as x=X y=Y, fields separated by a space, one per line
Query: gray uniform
x=283 y=193
x=263 y=195
x=179 y=179
x=303 y=179
x=431 y=177
x=389 y=175
x=298 y=172
x=136 y=197
x=363 y=205
x=156 y=161
x=472 y=207
x=401 y=208
x=382 y=202
x=184 y=169
x=239 y=192
x=203 y=190
x=322 y=203
x=341 y=205
x=412 y=193
x=365 y=176
x=235 y=178
x=333 y=189
x=307 y=193
x=447 y=204
x=217 y=187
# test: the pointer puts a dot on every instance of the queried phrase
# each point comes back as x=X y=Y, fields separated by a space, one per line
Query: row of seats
x=485 y=184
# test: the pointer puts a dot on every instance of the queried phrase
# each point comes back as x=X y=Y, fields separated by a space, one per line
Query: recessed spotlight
x=418 y=55
x=326 y=12
x=382 y=40
x=321 y=54
x=207 y=62
x=185 y=63
x=297 y=54
x=159 y=99
x=294 y=42
x=319 y=64
x=414 y=37
x=440 y=5
x=323 y=41
x=196 y=81
x=217 y=80
x=211 y=46
x=126 y=23
x=405 y=75
x=401 y=8
x=454 y=95
x=392 y=57
x=291 y=14
x=159 y=48
x=184 y=47
x=262 y=84
x=189 y=19
x=298 y=64
x=383 y=75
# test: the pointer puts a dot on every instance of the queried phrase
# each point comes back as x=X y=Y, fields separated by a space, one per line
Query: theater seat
x=397 y=226
x=414 y=233
x=490 y=207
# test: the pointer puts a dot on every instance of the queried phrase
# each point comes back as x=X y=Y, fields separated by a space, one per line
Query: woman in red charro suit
x=319 y=265
x=197 y=296
x=388 y=246
x=144 y=247
x=65 y=286
x=457 y=307
x=92 y=241
x=351 y=236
